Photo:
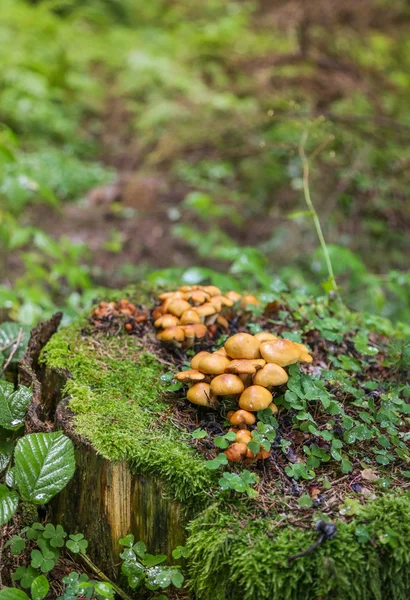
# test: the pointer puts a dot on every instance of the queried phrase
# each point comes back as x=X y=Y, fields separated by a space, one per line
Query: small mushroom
x=222 y=322
x=200 y=394
x=193 y=332
x=172 y=334
x=207 y=313
x=243 y=436
x=221 y=351
x=234 y=296
x=166 y=320
x=265 y=336
x=189 y=376
x=195 y=360
x=212 y=290
x=190 y=317
x=242 y=345
x=272 y=407
x=226 y=385
x=281 y=352
x=236 y=452
x=241 y=417
x=177 y=306
x=214 y=364
x=255 y=398
x=270 y=375
x=247 y=300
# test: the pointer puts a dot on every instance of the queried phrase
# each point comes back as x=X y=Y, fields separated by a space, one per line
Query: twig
x=14 y=350
x=315 y=217
x=104 y=577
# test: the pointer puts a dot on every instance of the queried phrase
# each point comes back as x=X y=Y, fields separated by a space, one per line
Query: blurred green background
x=161 y=140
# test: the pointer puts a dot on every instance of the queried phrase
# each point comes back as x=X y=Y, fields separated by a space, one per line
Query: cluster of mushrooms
x=244 y=370
x=186 y=315
x=123 y=308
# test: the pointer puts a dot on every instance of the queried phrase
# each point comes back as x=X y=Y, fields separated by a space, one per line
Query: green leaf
x=9 y=332
x=177 y=579
x=151 y=560
x=140 y=549
x=39 y=588
x=17 y=544
x=305 y=501
x=6 y=449
x=127 y=541
x=13 y=405
x=254 y=447
x=221 y=442
x=104 y=589
x=13 y=594
x=198 y=434
x=8 y=504
x=44 y=463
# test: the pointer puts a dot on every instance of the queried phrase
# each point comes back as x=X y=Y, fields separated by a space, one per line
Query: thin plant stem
x=315 y=217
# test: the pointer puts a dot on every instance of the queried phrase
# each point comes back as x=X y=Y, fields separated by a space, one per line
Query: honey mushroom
x=238 y=372
x=193 y=304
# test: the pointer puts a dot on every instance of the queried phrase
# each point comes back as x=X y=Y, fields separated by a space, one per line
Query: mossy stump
x=139 y=471
x=109 y=495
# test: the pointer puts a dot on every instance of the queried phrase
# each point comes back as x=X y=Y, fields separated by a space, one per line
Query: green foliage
x=48 y=544
x=44 y=463
x=142 y=568
x=239 y=482
x=13 y=405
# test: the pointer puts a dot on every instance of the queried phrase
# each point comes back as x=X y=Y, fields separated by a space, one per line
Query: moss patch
x=240 y=558
x=115 y=393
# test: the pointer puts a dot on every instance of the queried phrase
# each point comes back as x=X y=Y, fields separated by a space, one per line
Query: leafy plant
x=142 y=568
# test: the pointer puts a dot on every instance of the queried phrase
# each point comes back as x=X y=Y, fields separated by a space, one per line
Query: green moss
x=237 y=557
x=116 y=394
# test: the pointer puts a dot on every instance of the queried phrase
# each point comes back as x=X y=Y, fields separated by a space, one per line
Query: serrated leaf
x=8 y=504
x=6 y=449
x=13 y=405
x=13 y=594
x=44 y=463
x=39 y=588
x=9 y=332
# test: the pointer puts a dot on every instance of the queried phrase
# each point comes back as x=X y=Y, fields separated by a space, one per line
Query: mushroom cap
x=242 y=345
x=246 y=300
x=281 y=352
x=200 y=394
x=224 y=300
x=241 y=416
x=170 y=334
x=197 y=297
x=222 y=321
x=265 y=336
x=196 y=330
x=205 y=310
x=166 y=295
x=195 y=360
x=226 y=385
x=243 y=436
x=212 y=290
x=305 y=357
x=216 y=303
x=166 y=321
x=270 y=375
x=263 y=454
x=214 y=364
x=189 y=375
x=234 y=296
x=272 y=406
x=245 y=366
x=254 y=398
x=236 y=452
x=178 y=306
x=221 y=351
x=189 y=317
